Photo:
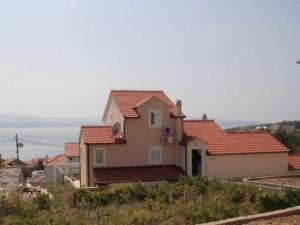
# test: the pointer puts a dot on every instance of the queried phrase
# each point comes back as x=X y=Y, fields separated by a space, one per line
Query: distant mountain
x=14 y=120
x=226 y=124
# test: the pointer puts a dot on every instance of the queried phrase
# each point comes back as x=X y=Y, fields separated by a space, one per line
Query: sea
x=37 y=141
x=48 y=141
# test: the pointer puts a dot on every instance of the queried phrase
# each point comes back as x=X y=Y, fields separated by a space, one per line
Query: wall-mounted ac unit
x=167 y=131
x=167 y=139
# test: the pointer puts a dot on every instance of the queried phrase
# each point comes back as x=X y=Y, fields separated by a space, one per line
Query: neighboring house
x=72 y=152
x=146 y=138
x=36 y=162
x=294 y=162
x=54 y=168
x=12 y=162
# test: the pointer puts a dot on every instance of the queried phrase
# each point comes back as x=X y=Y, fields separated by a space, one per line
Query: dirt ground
x=290 y=220
x=294 y=181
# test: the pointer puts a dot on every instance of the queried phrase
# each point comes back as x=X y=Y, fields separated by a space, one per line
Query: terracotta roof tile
x=59 y=159
x=72 y=149
x=220 y=142
x=294 y=161
x=136 y=174
x=127 y=100
x=100 y=135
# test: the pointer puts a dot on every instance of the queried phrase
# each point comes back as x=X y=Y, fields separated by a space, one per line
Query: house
x=145 y=137
x=66 y=164
x=54 y=168
x=13 y=161
x=37 y=162
x=72 y=152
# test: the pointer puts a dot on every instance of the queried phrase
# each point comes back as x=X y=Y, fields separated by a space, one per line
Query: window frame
x=95 y=157
x=157 y=121
x=155 y=149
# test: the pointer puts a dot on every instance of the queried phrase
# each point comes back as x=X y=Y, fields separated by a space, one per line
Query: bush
x=43 y=201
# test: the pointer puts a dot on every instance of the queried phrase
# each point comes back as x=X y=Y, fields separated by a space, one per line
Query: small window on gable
x=154 y=118
x=99 y=157
x=155 y=155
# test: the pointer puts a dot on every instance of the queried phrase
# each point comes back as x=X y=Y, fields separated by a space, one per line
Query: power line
x=39 y=143
x=6 y=140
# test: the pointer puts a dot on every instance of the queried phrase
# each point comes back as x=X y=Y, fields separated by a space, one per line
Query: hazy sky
x=230 y=59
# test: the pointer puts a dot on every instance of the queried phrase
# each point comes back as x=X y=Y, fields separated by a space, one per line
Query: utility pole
x=17 y=145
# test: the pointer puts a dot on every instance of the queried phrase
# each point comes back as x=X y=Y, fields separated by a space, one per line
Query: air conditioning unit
x=167 y=139
x=167 y=131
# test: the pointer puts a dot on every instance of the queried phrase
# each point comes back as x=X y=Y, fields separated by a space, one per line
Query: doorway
x=196 y=162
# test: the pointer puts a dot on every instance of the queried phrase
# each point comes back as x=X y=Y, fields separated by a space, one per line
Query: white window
x=154 y=118
x=99 y=157
x=155 y=156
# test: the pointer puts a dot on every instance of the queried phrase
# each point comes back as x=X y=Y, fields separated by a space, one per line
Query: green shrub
x=43 y=201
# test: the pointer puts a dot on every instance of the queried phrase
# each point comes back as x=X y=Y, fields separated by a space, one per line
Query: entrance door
x=196 y=163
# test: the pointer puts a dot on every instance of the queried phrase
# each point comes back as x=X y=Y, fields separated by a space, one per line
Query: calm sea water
x=50 y=141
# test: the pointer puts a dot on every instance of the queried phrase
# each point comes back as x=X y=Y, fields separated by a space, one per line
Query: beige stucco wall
x=49 y=173
x=246 y=165
x=73 y=159
x=113 y=114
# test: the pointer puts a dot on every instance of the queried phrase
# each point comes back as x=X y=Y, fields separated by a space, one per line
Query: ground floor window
x=99 y=157
x=155 y=155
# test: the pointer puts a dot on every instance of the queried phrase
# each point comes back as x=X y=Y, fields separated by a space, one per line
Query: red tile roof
x=127 y=100
x=100 y=135
x=220 y=142
x=72 y=149
x=59 y=159
x=294 y=161
x=136 y=174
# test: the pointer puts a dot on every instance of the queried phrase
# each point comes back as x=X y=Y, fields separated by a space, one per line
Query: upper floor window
x=99 y=157
x=154 y=118
x=155 y=155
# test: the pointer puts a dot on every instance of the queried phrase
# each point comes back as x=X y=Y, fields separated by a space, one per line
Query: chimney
x=204 y=116
x=179 y=107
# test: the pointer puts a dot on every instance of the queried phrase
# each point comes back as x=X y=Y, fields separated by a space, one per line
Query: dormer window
x=154 y=118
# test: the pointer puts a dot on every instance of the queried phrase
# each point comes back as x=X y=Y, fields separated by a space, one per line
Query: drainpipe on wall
x=179 y=130
x=88 y=164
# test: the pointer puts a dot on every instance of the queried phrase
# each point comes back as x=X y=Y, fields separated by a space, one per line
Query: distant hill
x=14 y=120
x=287 y=132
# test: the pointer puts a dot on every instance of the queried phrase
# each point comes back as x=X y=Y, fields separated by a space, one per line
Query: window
x=99 y=157
x=154 y=118
x=155 y=155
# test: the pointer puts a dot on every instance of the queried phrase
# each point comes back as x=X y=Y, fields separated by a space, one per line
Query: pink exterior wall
x=83 y=164
x=246 y=165
x=113 y=114
x=139 y=137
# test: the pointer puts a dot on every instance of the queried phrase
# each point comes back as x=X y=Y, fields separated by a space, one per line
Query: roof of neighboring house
x=100 y=135
x=136 y=174
x=72 y=149
x=220 y=142
x=294 y=161
x=128 y=100
x=35 y=161
x=11 y=161
x=59 y=159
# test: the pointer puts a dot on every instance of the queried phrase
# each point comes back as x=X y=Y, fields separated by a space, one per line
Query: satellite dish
x=116 y=128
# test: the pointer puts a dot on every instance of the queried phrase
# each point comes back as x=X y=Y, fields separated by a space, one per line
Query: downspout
x=88 y=164
x=185 y=158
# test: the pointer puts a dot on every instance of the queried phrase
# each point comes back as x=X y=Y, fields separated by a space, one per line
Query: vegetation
x=290 y=140
x=188 y=201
